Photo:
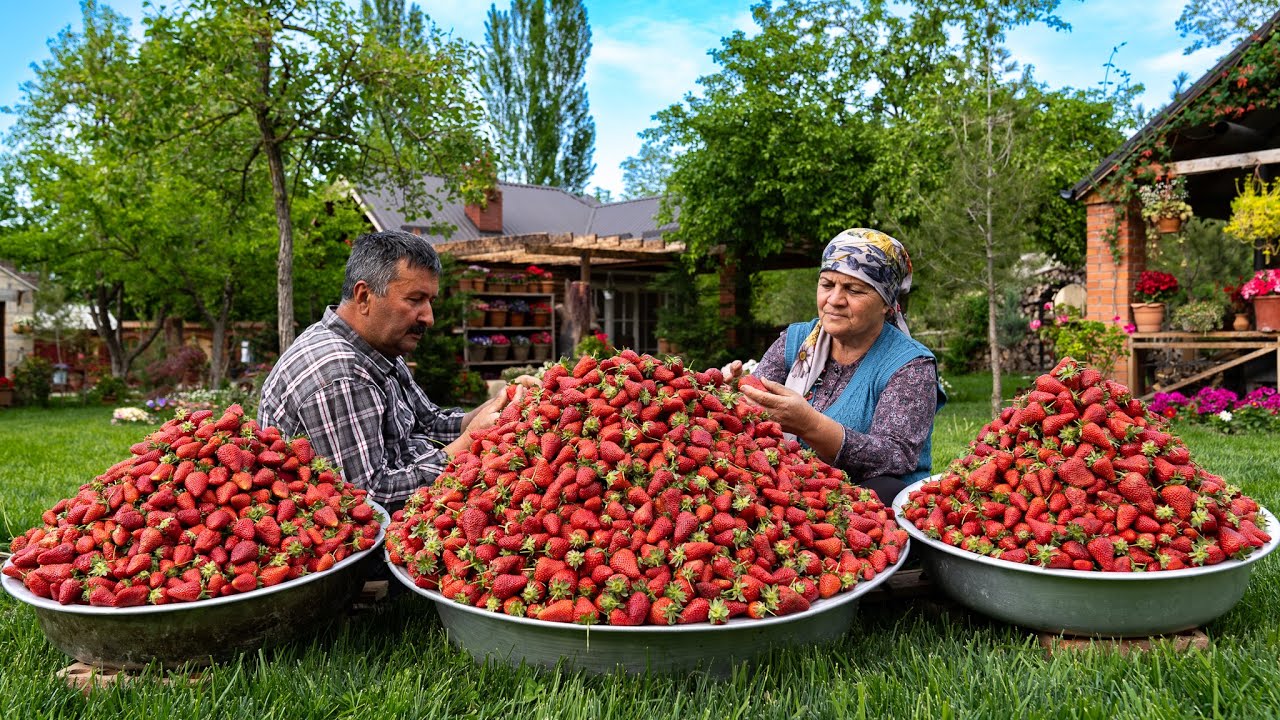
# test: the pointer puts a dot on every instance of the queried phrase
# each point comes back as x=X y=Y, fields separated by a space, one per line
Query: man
x=344 y=382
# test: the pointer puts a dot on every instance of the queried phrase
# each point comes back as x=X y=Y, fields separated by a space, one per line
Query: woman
x=852 y=384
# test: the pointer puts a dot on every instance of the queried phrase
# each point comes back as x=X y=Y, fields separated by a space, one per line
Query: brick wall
x=1110 y=283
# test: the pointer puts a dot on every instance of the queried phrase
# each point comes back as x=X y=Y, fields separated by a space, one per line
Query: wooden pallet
x=904 y=585
x=1182 y=642
x=87 y=678
x=373 y=592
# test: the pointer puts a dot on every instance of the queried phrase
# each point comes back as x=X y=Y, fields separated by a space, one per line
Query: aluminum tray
x=1087 y=603
x=200 y=632
x=601 y=649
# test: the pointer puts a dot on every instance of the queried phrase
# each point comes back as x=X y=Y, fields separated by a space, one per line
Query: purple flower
x=1160 y=402
x=1211 y=401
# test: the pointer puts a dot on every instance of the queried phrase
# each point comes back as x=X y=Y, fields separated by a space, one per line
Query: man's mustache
x=419 y=329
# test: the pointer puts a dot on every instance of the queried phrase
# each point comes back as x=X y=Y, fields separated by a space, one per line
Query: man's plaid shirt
x=360 y=409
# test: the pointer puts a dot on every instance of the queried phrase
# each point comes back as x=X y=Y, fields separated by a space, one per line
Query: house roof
x=526 y=210
x=1256 y=130
x=24 y=278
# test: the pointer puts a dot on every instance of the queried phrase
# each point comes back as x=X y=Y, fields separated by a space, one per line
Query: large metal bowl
x=204 y=631
x=602 y=649
x=1087 y=603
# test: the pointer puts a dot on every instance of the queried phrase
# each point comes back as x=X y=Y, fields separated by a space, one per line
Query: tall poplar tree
x=531 y=79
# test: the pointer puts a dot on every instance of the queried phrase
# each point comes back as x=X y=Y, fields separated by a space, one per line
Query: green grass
x=896 y=662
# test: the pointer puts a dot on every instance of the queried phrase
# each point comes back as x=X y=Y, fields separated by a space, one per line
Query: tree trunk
x=280 y=192
x=112 y=335
x=993 y=338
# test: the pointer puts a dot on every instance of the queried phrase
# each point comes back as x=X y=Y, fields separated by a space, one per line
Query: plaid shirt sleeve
x=344 y=420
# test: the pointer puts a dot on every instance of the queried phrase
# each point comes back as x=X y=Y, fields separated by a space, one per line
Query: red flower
x=1155 y=286
x=5 y=383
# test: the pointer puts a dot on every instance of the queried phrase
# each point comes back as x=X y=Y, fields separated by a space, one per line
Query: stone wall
x=1030 y=355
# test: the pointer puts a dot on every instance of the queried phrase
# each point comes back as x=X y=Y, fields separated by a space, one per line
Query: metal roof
x=526 y=210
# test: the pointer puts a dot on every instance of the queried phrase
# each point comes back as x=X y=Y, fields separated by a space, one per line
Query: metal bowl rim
x=1100 y=575
x=817 y=607
x=19 y=591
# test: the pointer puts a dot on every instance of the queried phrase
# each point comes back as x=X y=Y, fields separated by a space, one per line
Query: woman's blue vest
x=857 y=404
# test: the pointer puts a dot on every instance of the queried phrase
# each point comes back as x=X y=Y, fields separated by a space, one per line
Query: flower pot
x=516 y=319
x=1241 y=322
x=1168 y=225
x=497 y=318
x=6 y=397
x=476 y=318
x=1148 y=316
x=500 y=352
x=497 y=287
x=541 y=352
x=546 y=286
x=477 y=353
x=520 y=352
x=1266 y=313
x=541 y=319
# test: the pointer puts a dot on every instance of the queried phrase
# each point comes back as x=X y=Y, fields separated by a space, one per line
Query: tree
x=295 y=83
x=1213 y=22
x=993 y=189
x=85 y=211
x=645 y=174
x=531 y=79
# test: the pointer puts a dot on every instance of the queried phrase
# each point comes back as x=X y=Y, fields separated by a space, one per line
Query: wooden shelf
x=509 y=328
x=527 y=361
x=1259 y=344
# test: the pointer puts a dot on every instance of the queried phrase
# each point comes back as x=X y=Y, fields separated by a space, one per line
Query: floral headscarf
x=874 y=258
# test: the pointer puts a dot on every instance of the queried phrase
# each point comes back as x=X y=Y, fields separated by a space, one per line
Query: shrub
x=33 y=381
x=1199 y=316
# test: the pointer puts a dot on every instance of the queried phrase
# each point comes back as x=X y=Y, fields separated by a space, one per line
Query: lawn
x=897 y=662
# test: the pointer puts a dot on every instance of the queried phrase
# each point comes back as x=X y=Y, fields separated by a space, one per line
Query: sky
x=648 y=55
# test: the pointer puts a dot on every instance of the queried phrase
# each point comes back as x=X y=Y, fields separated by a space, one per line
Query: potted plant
x=1264 y=290
x=515 y=282
x=497 y=313
x=23 y=327
x=501 y=348
x=1239 y=307
x=476 y=313
x=520 y=347
x=541 y=342
x=541 y=314
x=478 y=348
x=473 y=278
x=6 y=391
x=1164 y=205
x=1198 y=316
x=516 y=312
x=540 y=279
x=1255 y=217
x=1151 y=292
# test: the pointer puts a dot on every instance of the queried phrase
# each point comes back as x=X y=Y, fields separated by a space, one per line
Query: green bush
x=438 y=357
x=33 y=381
x=109 y=388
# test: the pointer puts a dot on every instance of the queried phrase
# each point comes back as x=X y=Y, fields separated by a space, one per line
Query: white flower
x=130 y=414
x=749 y=366
x=1225 y=416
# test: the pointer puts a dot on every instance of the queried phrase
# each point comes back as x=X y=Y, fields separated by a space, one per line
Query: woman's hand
x=784 y=405
x=732 y=370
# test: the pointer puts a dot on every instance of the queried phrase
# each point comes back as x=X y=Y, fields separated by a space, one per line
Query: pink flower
x=1130 y=328
x=1064 y=319
x=1048 y=306
x=1116 y=319
x=1035 y=324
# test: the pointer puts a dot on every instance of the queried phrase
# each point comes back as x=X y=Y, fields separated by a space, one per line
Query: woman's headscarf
x=874 y=258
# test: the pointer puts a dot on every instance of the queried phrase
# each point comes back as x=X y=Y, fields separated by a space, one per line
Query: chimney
x=487 y=219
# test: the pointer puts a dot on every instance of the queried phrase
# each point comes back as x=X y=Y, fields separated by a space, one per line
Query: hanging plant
x=1255 y=217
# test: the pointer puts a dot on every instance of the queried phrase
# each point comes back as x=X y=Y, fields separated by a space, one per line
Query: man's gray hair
x=374 y=258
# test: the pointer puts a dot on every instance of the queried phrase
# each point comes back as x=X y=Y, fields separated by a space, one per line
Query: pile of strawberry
x=1078 y=475
x=629 y=491
x=205 y=507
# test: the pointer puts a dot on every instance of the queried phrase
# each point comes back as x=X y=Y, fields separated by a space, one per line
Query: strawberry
x=229 y=457
x=1179 y=497
x=188 y=591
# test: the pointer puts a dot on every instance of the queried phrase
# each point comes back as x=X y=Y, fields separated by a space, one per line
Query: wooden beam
x=1199 y=166
x=1208 y=373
